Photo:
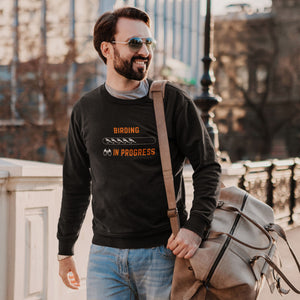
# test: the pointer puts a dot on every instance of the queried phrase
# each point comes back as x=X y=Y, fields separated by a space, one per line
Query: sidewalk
x=288 y=266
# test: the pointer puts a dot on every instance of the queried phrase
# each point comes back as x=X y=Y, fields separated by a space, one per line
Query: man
x=112 y=143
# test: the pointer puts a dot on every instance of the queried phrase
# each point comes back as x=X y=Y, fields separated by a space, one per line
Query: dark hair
x=105 y=27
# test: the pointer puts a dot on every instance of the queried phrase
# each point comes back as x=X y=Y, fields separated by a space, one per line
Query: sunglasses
x=136 y=43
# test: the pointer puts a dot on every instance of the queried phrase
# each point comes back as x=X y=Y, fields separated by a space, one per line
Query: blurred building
x=257 y=73
x=36 y=27
x=47 y=61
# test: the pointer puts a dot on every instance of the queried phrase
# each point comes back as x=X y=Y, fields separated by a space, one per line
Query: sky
x=218 y=6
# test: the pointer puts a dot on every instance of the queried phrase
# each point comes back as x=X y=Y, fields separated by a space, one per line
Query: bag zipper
x=225 y=246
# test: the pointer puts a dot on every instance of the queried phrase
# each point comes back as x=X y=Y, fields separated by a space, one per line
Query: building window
x=261 y=74
x=242 y=79
x=5 y=110
x=222 y=84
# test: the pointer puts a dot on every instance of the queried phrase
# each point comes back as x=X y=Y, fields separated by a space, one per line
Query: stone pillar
x=231 y=174
x=30 y=197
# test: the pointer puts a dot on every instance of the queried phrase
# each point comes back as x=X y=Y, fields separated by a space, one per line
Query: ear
x=106 y=49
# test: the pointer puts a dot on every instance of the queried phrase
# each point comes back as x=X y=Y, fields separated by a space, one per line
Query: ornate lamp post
x=207 y=100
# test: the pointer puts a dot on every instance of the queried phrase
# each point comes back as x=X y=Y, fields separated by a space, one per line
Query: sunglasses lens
x=150 y=42
x=135 y=43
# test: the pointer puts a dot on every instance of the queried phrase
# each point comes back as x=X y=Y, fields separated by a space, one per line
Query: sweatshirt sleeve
x=195 y=143
x=76 y=186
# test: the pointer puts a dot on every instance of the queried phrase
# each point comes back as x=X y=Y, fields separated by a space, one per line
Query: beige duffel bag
x=239 y=250
x=233 y=261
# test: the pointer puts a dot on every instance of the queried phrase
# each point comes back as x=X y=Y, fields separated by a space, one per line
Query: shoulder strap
x=157 y=90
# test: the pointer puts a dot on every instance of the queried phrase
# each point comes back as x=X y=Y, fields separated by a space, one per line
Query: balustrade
x=30 y=196
x=277 y=183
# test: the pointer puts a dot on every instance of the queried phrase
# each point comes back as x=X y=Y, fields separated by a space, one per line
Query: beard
x=125 y=67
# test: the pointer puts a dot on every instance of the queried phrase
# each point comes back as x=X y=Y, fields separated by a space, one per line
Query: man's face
x=132 y=64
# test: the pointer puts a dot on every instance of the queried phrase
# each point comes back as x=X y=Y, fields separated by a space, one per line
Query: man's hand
x=68 y=273
x=185 y=244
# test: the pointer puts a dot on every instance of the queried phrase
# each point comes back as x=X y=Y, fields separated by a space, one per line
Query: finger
x=181 y=254
x=178 y=249
x=67 y=282
x=172 y=244
x=170 y=240
x=74 y=279
x=184 y=249
x=190 y=253
x=77 y=279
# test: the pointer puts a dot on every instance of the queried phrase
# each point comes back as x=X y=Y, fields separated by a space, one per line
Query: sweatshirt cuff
x=66 y=247
x=196 y=225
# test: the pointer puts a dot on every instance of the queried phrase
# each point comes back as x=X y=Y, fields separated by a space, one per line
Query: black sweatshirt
x=112 y=153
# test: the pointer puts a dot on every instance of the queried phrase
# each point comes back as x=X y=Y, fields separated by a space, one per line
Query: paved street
x=289 y=267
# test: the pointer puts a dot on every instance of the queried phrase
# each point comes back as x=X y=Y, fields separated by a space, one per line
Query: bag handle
x=156 y=93
x=275 y=267
x=270 y=227
x=230 y=208
x=279 y=230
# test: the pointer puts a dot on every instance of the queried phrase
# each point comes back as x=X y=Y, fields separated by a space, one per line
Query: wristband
x=62 y=257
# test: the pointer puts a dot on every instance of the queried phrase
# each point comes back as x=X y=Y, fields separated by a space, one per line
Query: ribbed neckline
x=140 y=101
x=138 y=92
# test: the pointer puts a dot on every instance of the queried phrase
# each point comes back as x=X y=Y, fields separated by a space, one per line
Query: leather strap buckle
x=173 y=212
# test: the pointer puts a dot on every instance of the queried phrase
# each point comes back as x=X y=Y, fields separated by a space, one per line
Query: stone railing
x=30 y=197
x=277 y=183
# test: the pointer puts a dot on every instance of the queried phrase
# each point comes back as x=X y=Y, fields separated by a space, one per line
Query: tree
x=250 y=60
x=37 y=122
x=44 y=100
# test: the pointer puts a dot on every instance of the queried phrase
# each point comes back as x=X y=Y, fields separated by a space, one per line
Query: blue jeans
x=125 y=274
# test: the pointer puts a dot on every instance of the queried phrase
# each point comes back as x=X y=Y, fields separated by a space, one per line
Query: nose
x=144 y=51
